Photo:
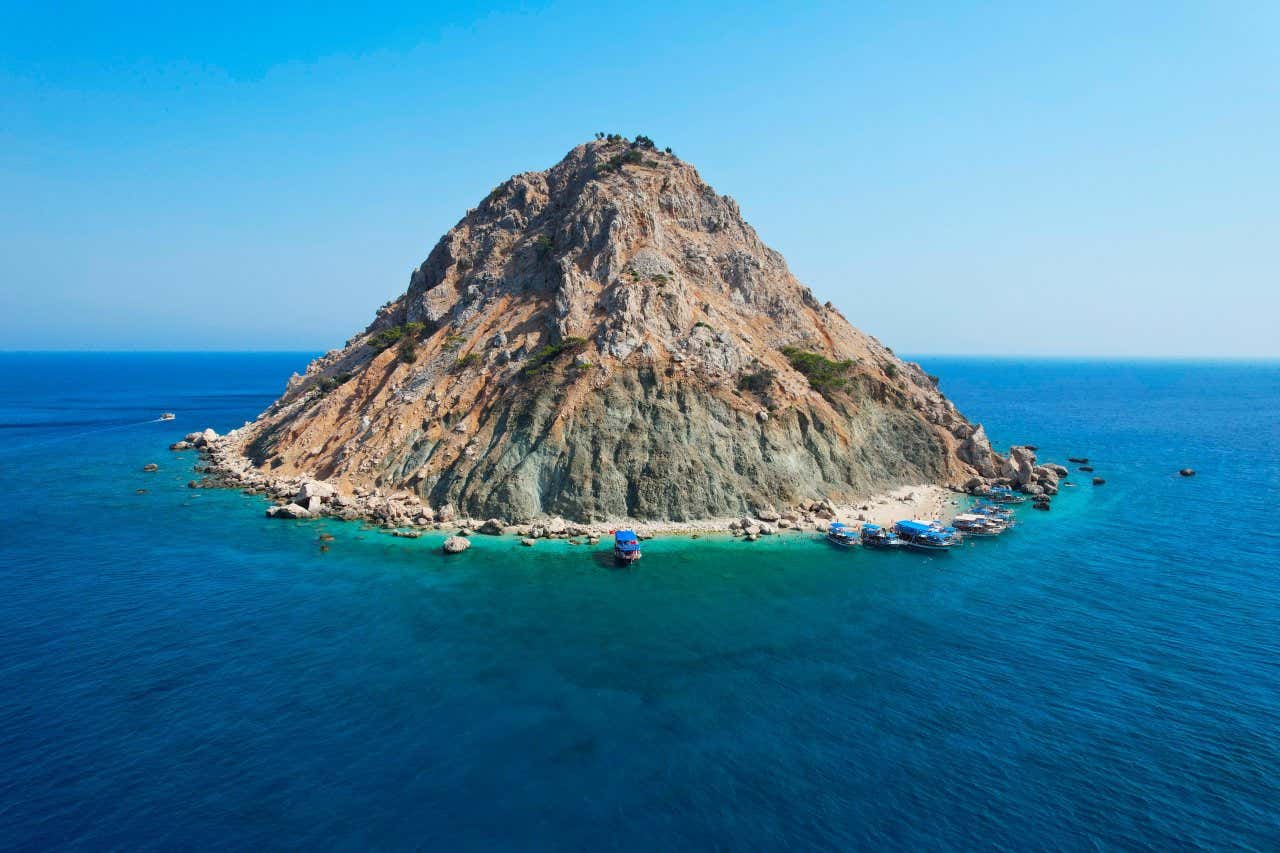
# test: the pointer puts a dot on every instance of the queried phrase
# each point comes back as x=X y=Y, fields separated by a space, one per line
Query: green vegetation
x=407 y=351
x=825 y=376
x=453 y=340
x=328 y=383
x=703 y=324
x=541 y=360
x=391 y=336
x=543 y=244
x=469 y=360
x=758 y=380
x=659 y=279
x=891 y=370
x=643 y=141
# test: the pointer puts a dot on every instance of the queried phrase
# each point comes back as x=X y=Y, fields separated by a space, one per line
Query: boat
x=841 y=536
x=977 y=524
x=1006 y=495
x=926 y=535
x=999 y=513
x=875 y=536
x=167 y=416
x=626 y=547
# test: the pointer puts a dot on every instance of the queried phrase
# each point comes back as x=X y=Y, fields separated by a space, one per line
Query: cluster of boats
x=988 y=517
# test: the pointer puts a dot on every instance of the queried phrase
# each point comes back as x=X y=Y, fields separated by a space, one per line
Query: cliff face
x=609 y=338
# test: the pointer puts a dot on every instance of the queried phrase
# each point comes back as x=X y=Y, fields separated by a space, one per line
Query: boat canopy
x=836 y=526
x=870 y=528
x=964 y=516
x=625 y=540
x=916 y=527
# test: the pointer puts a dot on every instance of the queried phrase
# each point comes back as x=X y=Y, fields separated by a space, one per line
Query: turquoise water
x=177 y=670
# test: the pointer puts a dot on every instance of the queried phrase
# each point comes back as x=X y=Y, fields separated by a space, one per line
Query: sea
x=178 y=671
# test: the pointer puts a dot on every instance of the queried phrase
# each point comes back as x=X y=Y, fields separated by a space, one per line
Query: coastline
x=222 y=465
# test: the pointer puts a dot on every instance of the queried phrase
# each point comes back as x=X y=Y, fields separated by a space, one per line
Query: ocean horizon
x=178 y=670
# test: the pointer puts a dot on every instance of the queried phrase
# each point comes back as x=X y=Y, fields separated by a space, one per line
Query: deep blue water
x=176 y=670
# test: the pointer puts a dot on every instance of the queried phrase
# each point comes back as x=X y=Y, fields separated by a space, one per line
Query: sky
x=1022 y=178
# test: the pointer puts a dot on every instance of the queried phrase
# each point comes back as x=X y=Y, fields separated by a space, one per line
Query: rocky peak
x=610 y=337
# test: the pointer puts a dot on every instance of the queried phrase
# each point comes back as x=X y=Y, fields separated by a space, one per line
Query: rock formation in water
x=606 y=339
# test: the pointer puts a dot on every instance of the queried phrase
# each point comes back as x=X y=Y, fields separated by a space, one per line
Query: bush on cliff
x=545 y=357
x=825 y=376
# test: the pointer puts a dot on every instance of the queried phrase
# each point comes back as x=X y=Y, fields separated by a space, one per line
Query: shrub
x=667 y=149
x=703 y=324
x=891 y=370
x=545 y=357
x=328 y=383
x=386 y=338
x=757 y=381
x=643 y=141
x=659 y=279
x=453 y=340
x=407 y=351
x=543 y=244
x=468 y=360
x=825 y=376
x=391 y=336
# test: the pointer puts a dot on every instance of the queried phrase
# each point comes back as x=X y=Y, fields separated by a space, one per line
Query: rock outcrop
x=606 y=339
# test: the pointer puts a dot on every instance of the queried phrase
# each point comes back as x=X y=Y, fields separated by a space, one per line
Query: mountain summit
x=607 y=339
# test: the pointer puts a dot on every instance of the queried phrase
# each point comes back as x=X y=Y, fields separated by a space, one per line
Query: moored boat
x=841 y=536
x=626 y=547
x=875 y=536
x=926 y=535
x=976 y=524
x=167 y=416
x=1006 y=495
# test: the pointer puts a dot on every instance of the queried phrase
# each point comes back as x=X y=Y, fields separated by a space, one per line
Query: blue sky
x=1023 y=178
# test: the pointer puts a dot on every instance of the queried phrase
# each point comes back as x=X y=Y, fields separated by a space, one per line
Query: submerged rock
x=1098 y=481
x=150 y=467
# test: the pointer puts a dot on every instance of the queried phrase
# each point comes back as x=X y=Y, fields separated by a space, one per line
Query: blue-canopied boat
x=1005 y=495
x=841 y=536
x=875 y=536
x=926 y=535
x=626 y=547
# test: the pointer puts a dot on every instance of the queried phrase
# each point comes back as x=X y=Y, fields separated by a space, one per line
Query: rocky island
x=606 y=341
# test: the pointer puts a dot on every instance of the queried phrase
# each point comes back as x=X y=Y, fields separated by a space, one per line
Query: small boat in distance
x=976 y=524
x=1006 y=495
x=626 y=547
x=841 y=536
x=167 y=416
x=875 y=536
x=926 y=535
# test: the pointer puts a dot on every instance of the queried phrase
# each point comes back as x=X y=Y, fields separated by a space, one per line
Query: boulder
x=191 y=438
x=181 y=445
x=556 y=526
x=767 y=513
x=150 y=466
x=767 y=530
x=751 y=530
x=314 y=489
x=444 y=515
x=1060 y=470
x=456 y=544
x=1019 y=466
x=292 y=511
x=492 y=527
x=1188 y=472
x=407 y=534
x=206 y=438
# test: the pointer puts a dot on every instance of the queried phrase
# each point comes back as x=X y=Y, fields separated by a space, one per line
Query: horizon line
x=911 y=356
